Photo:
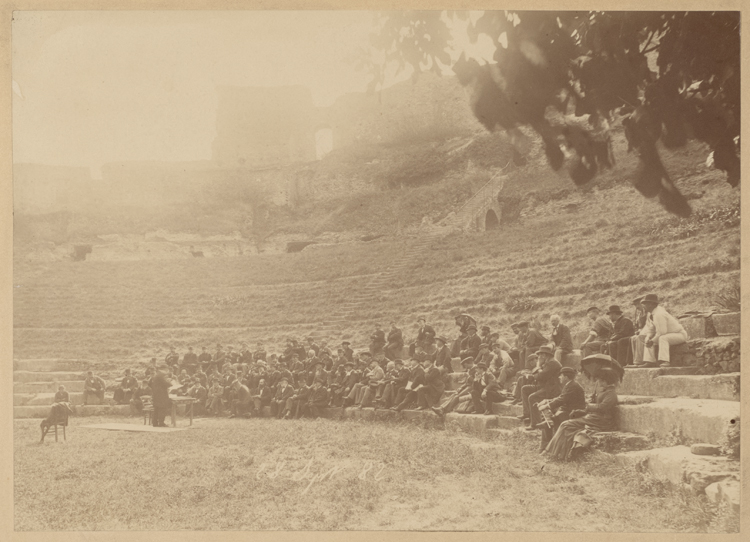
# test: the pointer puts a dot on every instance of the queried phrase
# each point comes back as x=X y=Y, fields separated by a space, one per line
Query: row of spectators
x=304 y=379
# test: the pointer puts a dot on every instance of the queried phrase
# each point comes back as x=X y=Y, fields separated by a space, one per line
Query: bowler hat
x=545 y=350
x=614 y=309
x=345 y=343
x=651 y=298
x=568 y=371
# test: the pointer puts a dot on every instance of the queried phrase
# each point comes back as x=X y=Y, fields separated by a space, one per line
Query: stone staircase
x=471 y=215
x=36 y=381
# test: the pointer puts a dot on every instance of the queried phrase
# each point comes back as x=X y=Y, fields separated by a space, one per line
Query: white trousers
x=665 y=341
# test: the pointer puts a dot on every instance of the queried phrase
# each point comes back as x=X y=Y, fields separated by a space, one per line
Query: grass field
x=319 y=475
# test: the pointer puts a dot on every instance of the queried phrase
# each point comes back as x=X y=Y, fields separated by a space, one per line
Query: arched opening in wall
x=323 y=142
x=491 y=221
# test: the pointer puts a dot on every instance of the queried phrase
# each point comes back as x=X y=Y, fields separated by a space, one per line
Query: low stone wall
x=713 y=356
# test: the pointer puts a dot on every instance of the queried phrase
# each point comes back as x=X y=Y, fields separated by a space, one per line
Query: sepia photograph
x=361 y=270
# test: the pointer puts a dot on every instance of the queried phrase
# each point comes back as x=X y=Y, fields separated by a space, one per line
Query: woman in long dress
x=598 y=416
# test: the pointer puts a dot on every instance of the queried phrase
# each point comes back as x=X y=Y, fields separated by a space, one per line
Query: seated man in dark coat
x=261 y=396
x=430 y=392
x=618 y=345
x=470 y=345
x=562 y=339
x=125 y=390
x=601 y=329
x=416 y=379
x=280 y=402
x=395 y=344
x=425 y=338
x=241 y=401
x=93 y=385
x=572 y=397
x=443 y=355
x=62 y=396
x=546 y=385
x=317 y=400
x=377 y=340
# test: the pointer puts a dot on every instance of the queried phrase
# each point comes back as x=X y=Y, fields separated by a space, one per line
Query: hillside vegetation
x=562 y=251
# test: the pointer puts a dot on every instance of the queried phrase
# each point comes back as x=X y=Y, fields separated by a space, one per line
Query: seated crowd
x=306 y=378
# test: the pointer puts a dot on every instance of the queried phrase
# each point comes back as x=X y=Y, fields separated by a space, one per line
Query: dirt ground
x=262 y=474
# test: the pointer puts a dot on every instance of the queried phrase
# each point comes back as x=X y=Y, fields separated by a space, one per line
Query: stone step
x=726 y=491
x=47 y=398
x=471 y=423
x=44 y=387
x=42 y=411
x=724 y=387
x=727 y=324
x=49 y=365
x=698 y=420
x=677 y=465
x=47 y=376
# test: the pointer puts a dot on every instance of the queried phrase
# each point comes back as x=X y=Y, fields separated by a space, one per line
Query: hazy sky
x=108 y=86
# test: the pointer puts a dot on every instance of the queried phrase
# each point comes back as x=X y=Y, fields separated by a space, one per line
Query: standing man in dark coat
x=377 y=340
x=395 y=343
x=618 y=345
x=425 y=338
x=205 y=360
x=190 y=361
x=219 y=357
x=562 y=339
x=572 y=397
x=160 y=396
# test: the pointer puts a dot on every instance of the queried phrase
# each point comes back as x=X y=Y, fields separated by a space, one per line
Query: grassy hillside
x=565 y=251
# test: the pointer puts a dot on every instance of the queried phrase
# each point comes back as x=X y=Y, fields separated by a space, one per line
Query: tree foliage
x=669 y=76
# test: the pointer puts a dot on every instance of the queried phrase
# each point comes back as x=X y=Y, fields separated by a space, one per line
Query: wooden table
x=182 y=400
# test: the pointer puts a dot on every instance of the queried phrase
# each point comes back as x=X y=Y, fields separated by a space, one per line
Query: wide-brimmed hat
x=545 y=350
x=650 y=298
x=637 y=300
x=614 y=309
x=467 y=360
x=568 y=371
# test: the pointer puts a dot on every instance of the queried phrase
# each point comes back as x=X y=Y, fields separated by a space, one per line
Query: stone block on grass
x=470 y=423
x=702 y=448
x=677 y=465
x=727 y=491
